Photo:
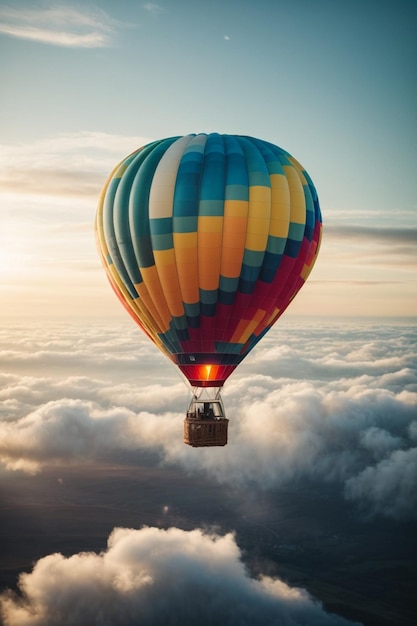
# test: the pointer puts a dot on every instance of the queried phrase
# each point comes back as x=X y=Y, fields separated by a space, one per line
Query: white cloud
x=153 y=576
x=393 y=234
x=330 y=410
x=379 y=441
x=58 y=25
x=70 y=40
x=389 y=487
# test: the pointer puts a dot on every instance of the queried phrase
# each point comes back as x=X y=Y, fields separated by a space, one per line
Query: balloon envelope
x=206 y=239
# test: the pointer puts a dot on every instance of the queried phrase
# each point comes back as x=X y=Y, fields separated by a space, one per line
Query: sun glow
x=7 y=259
x=13 y=263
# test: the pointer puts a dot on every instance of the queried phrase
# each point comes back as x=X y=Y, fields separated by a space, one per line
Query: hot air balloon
x=206 y=239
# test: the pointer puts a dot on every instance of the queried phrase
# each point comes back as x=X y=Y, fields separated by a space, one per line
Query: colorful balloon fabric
x=206 y=239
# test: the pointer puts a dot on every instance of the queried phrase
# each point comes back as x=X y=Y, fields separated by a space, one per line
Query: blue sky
x=86 y=83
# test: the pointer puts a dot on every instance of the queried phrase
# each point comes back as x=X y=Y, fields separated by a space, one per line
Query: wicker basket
x=200 y=433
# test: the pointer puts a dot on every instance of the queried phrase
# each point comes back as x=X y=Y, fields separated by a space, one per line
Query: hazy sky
x=83 y=84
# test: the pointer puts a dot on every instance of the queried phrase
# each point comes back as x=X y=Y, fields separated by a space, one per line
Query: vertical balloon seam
x=294 y=274
x=234 y=319
x=110 y=226
x=218 y=336
x=138 y=215
x=196 y=341
x=139 y=223
x=219 y=329
x=222 y=342
x=315 y=240
x=288 y=257
x=297 y=244
x=118 y=268
x=181 y=326
x=253 y=259
x=307 y=258
x=222 y=324
x=259 y=286
x=120 y=207
x=309 y=236
x=210 y=233
x=158 y=234
x=114 y=280
x=185 y=219
x=273 y=163
x=161 y=208
x=204 y=210
x=297 y=231
x=236 y=207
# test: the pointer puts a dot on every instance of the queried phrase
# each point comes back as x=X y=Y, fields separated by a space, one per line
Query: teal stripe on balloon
x=237 y=192
x=276 y=245
x=211 y=208
x=160 y=226
x=257 y=169
x=228 y=284
x=249 y=274
x=187 y=185
x=171 y=341
x=162 y=242
x=139 y=222
x=208 y=296
x=228 y=348
x=296 y=231
x=253 y=258
x=121 y=217
x=213 y=174
x=271 y=156
x=193 y=309
x=185 y=224
x=237 y=180
x=110 y=237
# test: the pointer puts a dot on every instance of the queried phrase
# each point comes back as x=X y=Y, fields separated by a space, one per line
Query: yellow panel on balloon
x=298 y=204
x=155 y=304
x=153 y=285
x=280 y=206
x=209 y=224
x=299 y=169
x=167 y=271
x=235 y=208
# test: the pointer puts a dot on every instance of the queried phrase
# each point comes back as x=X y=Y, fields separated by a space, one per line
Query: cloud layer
x=58 y=25
x=153 y=576
x=333 y=406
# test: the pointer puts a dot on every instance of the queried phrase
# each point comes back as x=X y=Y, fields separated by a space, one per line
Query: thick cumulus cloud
x=153 y=576
x=67 y=430
x=334 y=406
